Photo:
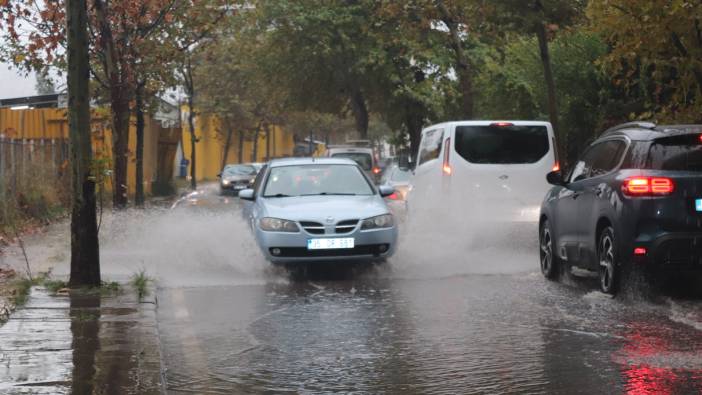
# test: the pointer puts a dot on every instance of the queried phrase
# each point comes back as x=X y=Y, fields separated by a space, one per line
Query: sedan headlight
x=381 y=221
x=278 y=225
x=225 y=182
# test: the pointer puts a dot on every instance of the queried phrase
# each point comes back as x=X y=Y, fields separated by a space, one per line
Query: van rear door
x=503 y=166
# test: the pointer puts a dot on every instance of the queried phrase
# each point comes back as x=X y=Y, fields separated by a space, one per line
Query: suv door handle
x=598 y=191
x=576 y=194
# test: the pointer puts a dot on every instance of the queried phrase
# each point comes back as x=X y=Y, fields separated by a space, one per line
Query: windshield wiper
x=278 y=195
x=329 y=194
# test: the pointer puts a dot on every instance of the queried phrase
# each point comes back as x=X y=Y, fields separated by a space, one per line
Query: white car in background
x=492 y=171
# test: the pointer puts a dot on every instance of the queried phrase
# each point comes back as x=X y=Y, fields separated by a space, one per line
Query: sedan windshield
x=307 y=180
x=239 y=170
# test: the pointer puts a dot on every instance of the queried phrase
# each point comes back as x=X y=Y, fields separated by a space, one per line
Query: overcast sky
x=13 y=84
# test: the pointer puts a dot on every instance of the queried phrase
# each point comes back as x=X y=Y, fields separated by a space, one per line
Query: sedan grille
x=346 y=226
x=314 y=228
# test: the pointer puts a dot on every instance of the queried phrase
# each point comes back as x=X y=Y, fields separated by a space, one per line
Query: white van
x=489 y=170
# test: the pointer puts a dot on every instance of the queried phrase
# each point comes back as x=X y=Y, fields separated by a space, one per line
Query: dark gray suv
x=632 y=201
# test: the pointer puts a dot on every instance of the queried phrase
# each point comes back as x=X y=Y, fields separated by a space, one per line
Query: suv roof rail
x=629 y=125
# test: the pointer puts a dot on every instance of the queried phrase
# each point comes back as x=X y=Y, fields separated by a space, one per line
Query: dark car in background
x=399 y=179
x=633 y=201
x=235 y=178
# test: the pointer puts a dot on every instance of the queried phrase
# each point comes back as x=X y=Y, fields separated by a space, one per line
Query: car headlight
x=225 y=182
x=278 y=225
x=381 y=221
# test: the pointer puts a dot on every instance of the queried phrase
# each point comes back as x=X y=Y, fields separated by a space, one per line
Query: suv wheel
x=609 y=265
x=549 y=261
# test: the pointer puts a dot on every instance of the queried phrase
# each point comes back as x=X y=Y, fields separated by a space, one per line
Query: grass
x=140 y=281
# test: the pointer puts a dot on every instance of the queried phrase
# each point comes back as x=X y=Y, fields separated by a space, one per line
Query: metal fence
x=20 y=160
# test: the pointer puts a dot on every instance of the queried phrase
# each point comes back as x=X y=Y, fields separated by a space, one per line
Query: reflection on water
x=85 y=328
x=372 y=333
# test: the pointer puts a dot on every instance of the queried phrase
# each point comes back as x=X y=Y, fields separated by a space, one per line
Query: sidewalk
x=83 y=343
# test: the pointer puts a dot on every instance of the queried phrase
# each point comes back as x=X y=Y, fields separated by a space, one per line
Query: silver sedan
x=312 y=209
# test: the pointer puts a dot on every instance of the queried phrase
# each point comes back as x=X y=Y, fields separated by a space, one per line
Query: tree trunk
x=139 y=193
x=463 y=67
x=119 y=103
x=227 y=144
x=85 y=251
x=267 y=129
x=190 y=91
x=550 y=84
x=254 y=152
x=120 y=149
x=240 y=156
x=360 y=113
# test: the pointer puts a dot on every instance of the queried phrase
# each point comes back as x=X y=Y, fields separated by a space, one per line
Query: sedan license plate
x=240 y=186
x=330 y=244
x=698 y=205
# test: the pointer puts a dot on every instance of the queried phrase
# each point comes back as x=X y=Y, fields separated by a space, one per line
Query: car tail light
x=502 y=124
x=557 y=165
x=393 y=196
x=447 y=166
x=648 y=186
x=376 y=170
x=640 y=251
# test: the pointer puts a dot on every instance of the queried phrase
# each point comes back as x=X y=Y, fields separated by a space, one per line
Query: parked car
x=489 y=170
x=307 y=209
x=363 y=156
x=398 y=179
x=235 y=178
x=632 y=200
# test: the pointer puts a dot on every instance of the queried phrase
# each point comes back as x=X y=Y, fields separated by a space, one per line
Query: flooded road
x=414 y=327
x=473 y=321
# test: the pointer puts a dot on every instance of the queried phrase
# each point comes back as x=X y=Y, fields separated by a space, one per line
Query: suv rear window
x=682 y=153
x=501 y=144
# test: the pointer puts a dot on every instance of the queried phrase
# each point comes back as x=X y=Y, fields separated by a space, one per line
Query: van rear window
x=502 y=144
x=682 y=153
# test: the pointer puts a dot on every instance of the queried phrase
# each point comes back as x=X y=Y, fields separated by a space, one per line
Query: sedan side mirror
x=555 y=178
x=246 y=194
x=219 y=175
x=386 y=190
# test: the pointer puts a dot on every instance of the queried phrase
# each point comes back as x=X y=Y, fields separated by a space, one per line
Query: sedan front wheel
x=549 y=261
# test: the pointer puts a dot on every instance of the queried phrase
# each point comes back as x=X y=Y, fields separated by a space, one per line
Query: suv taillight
x=648 y=186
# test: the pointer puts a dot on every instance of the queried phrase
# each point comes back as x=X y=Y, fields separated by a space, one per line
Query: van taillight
x=648 y=186
x=376 y=170
x=501 y=124
x=447 y=166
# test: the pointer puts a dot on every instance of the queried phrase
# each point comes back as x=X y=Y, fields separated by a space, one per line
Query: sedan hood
x=319 y=208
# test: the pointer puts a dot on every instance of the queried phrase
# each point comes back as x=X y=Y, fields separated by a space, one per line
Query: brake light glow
x=639 y=251
x=700 y=137
x=447 y=166
x=393 y=196
x=376 y=170
x=648 y=186
x=502 y=124
x=556 y=167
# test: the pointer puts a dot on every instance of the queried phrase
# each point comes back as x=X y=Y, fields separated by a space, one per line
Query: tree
x=117 y=28
x=85 y=255
x=655 y=55
x=336 y=65
x=542 y=18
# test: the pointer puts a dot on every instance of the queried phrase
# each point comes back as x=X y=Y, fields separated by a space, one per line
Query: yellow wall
x=209 y=150
x=52 y=123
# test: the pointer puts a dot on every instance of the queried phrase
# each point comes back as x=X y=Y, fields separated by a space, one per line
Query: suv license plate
x=330 y=244
x=698 y=205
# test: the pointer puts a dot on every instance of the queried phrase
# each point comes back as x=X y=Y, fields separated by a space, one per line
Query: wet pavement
x=464 y=317
x=81 y=344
